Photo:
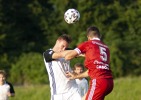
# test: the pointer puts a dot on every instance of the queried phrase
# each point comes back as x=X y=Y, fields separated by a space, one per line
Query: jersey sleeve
x=81 y=48
x=11 y=87
x=48 y=55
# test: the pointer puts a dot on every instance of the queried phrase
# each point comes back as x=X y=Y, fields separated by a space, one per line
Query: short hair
x=2 y=72
x=78 y=65
x=65 y=37
x=93 y=31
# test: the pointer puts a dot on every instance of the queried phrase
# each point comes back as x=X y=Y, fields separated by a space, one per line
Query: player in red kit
x=97 y=59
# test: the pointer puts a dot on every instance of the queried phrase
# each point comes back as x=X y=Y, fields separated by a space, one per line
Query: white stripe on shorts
x=92 y=89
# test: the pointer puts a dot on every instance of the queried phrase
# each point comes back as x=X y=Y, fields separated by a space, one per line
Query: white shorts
x=67 y=96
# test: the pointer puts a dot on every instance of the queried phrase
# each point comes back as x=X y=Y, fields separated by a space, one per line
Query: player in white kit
x=61 y=87
x=82 y=82
x=4 y=87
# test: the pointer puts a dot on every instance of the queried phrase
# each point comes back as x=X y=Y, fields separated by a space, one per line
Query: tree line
x=27 y=28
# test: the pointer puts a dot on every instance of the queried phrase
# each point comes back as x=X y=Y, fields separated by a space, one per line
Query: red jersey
x=97 y=58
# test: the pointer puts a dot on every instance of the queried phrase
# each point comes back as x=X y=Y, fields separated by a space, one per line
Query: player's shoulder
x=47 y=51
x=6 y=85
x=84 y=44
x=10 y=84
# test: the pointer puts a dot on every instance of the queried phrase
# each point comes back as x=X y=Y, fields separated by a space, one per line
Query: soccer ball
x=71 y=16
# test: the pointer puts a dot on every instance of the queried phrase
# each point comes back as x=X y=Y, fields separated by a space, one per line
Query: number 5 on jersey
x=103 y=54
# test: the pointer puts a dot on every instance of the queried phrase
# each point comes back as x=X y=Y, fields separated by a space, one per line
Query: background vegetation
x=125 y=89
x=29 y=27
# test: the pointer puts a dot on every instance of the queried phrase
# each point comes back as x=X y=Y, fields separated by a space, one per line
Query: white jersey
x=4 y=89
x=59 y=83
x=82 y=86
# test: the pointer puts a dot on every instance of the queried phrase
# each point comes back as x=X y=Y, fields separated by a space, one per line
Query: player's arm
x=77 y=52
x=71 y=54
x=86 y=87
x=50 y=55
x=81 y=55
x=75 y=76
x=10 y=94
x=84 y=97
x=12 y=91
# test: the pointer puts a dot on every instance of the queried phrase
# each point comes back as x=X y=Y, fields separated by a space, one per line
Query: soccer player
x=97 y=59
x=81 y=82
x=62 y=88
x=4 y=87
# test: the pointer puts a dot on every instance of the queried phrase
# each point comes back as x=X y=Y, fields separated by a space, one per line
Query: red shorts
x=99 y=88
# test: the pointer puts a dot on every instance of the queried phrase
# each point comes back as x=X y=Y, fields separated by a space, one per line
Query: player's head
x=2 y=76
x=63 y=42
x=78 y=68
x=93 y=32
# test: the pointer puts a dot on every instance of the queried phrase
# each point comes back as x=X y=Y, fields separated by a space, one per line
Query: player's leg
x=91 y=90
x=110 y=85
x=99 y=88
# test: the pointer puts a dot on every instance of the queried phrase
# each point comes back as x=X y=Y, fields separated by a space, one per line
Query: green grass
x=124 y=89
x=40 y=92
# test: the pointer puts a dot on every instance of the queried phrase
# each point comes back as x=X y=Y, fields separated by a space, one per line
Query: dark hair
x=93 y=31
x=66 y=37
x=78 y=65
x=3 y=73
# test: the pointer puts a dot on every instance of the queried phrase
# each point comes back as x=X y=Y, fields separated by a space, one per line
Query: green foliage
x=33 y=26
x=29 y=69
x=4 y=64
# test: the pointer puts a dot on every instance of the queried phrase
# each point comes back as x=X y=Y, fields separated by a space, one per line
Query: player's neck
x=1 y=83
x=55 y=49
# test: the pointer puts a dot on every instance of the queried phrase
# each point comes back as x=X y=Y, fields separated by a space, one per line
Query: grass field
x=124 y=89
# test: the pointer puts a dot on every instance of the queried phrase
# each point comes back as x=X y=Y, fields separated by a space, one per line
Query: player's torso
x=81 y=83
x=4 y=89
x=97 y=59
x=59 y=83
x=96 y=50
x=82 y=86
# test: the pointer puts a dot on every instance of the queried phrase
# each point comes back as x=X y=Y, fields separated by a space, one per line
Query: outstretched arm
x=71 y=54
x=75 y=76
x=50 y=55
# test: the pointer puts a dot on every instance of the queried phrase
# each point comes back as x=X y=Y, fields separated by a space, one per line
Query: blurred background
x=29 y=27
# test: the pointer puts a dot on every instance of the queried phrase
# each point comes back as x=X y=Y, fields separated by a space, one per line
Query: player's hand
x=80 y=55
x=8 y=94
x=71 y=75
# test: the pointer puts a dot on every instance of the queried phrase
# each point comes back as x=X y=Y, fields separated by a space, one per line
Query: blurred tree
x=29 y=69
x=33 y=26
